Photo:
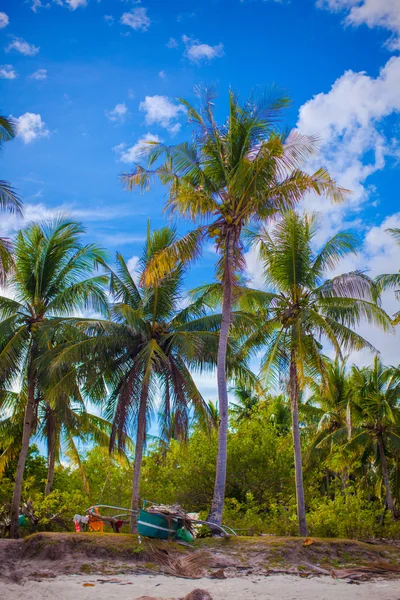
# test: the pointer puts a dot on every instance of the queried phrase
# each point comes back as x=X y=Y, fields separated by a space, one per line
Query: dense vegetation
x=310 y=444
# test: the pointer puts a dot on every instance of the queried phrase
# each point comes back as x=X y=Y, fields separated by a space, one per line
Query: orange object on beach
x=95 y=524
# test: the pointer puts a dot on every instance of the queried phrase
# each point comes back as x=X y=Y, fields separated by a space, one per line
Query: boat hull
x=156 y=526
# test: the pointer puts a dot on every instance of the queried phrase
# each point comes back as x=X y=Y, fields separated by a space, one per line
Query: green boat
x=157 y=526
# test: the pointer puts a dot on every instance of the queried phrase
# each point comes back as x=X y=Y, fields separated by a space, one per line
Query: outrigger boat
x=155 y=520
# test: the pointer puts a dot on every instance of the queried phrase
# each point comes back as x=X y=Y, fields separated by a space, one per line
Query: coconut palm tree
x=146 y=353
x=377 y=430
x=247 y=402
x=52 y=278
x=228 y=176
x=392 y=281
x=65 y=424
x=9 y=199
x=303 y=308
x=61 y=425
x=331 y=401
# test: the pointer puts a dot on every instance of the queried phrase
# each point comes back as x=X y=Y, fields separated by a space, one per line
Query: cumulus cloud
x=373 y=13
x=161 y=111
x=23 y=47
x=198 y=52
x=4 y=20
x=31 y=127
x=118 y=113
x=7 y=72
x=109 y=19
x=137 y=19
x=379 y=254
x=136 y=152
x=74 y=4
x=349 y=120
x=39 y=75
x=162 y=74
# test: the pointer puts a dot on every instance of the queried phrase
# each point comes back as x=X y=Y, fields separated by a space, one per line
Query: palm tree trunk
x=298 y=467
x=349 y=422
x=217 y=505
x=51 y=460
x=26 y=436
x=389 y=499
x=141 y=431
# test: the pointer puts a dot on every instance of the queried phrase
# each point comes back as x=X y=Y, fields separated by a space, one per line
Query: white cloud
x=198 y=52
x=373 y=13
x=161 y=111
x=137 y=19
x=349 y=120
x=36 y=4
x=4 y=20
x=7 y=72
x=132 y=263
x=162 y=74
x=74 y=4
x=20 y=45
x=136 y=152
x=39 y=75
x=379 y=254
x=71 y=4
x=109 y=19
x=31 y=127
x=38 y=211
x=121 y=239
x=118 y=113
x=172 y=43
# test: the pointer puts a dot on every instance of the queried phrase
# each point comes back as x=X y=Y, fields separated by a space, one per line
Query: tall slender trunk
x=385 y=473
x=51 y=459
x=217 y=505
x=298 y=467
x=349 y=422
x=141 y=431
x=26 y=436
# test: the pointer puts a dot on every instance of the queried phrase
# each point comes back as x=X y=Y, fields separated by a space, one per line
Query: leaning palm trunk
x=140 y=435
x=51 y=461
x=26 y=436
x=389 y=499
x=217 y=505
x=294 y=398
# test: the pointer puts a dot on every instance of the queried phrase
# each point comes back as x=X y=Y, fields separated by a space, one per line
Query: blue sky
x=87 y=80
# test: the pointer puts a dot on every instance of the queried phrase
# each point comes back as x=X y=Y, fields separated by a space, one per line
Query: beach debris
x=190 y=567
x=219 y=574
x=88 y=584
x=198 y=594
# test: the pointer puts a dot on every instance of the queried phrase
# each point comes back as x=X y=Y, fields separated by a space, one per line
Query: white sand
x=275 y=587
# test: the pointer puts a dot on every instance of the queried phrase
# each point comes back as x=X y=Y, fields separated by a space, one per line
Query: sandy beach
x=124 y=587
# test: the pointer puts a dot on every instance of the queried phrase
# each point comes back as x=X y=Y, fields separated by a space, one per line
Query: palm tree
x=245 y=406
x=377 y=397
x=48 y=285
x=61 y=425
x=229 y=175
x=146 y=353
x=303 y=308
x=9 y=200
x=392 y=280
x=332 y=403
